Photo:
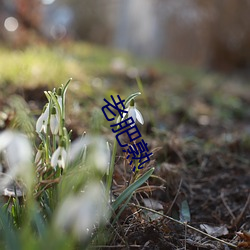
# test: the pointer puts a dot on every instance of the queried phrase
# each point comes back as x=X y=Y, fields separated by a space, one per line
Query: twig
x=227 y=207
x=185 y=242
x=117 y=246
x=183 y=224
x=239 y=217
x=175 y=198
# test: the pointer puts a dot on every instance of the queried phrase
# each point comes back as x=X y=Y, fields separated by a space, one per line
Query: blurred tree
x=229 y=34
x=29 y=14
x=26 y=17
x=92 y=20
x=211 y=33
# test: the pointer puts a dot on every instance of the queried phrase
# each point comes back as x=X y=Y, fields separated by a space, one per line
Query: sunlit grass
x=41 y=64
x=37 y=65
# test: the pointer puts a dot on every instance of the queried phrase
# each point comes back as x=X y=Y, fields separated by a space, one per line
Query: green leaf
x=129 y=190
x=131 y=97
x=122 y=209
x=65 y=87
x=10 y=236
x=39 y=222
x=185 y=212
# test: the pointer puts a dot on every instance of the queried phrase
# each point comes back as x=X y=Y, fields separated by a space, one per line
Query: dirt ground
x=199 y=131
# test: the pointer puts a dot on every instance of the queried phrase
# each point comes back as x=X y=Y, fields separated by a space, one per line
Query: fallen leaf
x=215 y=231
x=153 y=204
x=245 y=236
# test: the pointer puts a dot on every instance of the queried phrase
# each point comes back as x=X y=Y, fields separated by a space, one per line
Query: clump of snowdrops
x=61 y=189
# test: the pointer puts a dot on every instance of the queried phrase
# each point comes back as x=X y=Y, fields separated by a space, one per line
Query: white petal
x=139 y=116
x=63 y=158
x=19 y=151
x=42 y=121
x=61 y=163
x=79 y=214
x=39 y=123
x=54 y=124
x=101 y=155
x=77 y=148
x=18 y=156
x=46 y=113
x=59 y=99
x=131 y=113
x=55 y=156
x=124 y=113
x=5 y=139
x=44 y=127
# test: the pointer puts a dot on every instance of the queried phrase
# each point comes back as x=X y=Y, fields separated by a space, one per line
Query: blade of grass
x=122 y=209
x=11 y=239
x=128 y=191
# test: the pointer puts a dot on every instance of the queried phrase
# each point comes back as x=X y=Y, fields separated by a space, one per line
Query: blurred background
x=211 y=34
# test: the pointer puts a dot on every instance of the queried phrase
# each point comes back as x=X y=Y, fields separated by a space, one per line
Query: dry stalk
x=183 y=224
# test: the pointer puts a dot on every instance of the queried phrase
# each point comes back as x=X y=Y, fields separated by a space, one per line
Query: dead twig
x=177 y=193
x=184 y=224
x=227 y=207
x=239 y=217
x=117 y=246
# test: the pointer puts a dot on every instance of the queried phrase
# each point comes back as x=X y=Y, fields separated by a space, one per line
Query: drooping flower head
x=80 y=214
x=42 y=122
x=17 y=152
x=59 y=157
x=134 y=112
x=54 y=121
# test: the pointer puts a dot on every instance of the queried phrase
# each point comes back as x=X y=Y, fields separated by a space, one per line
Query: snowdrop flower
x=134 y=113
x=59 y=97
x=98 y=152
x=79 y=214
x=59 y=157
x=17 y=152
x=54 y=121
x=42 y=122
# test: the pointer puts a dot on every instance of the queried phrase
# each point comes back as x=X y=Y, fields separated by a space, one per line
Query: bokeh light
x=48 y=2
x=11 y=24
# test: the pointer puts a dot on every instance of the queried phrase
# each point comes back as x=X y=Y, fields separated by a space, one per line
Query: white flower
x=54 y=121
x=59 y=99
x=79 y=214
x=100 y=155
x=42 y=122
x=98 y=152
x=17 y=152
x=59 y=157
x=134 y=113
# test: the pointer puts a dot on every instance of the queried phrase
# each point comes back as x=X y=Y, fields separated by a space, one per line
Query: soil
x=202 y=168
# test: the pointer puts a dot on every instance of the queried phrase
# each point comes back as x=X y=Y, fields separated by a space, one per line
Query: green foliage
x=66 y=206
x=132 y=188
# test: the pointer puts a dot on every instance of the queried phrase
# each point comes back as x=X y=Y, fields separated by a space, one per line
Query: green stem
x=54 y=142
x=59 y=111
x=63 y=101
x=47 y=140
x=112 y=163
